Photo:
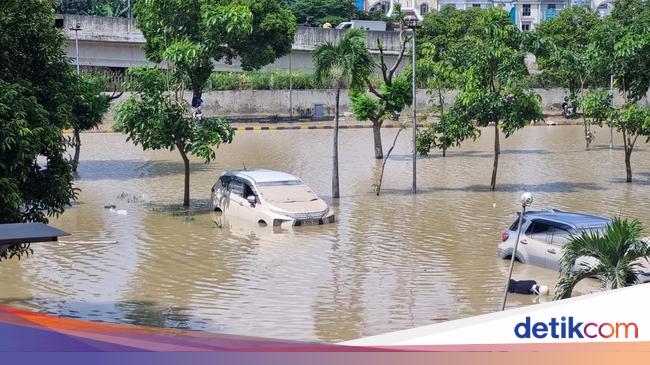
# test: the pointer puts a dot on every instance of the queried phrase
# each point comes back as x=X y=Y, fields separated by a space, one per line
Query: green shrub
x=260 y=80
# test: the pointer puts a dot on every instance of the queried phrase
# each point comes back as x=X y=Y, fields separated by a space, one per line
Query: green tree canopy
x=192 y=34
x=156 y=118
x=486 y=48
x=387 y=97
x=562 y=48
x=621 y=45
x=319 y=12
x=35 y=173
x=89 y=105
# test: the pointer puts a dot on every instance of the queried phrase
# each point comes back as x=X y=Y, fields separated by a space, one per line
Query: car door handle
x=551 y=250
x=524 y=242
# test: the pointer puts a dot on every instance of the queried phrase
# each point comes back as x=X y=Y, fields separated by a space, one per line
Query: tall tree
x=493 y=94
x=633 y=121
x=319 y=12
x=156 y=117
x=613 y=257
x=347 y=63
x=439 y=76
x=441 y=67
x=389 y=96
x=35 y=174
x=192 y=34
x=562 y=48
x=621 y=46
x=88 y=108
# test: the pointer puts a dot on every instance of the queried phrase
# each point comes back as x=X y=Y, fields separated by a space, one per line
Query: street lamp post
x=76 y=28
x=290 y=88
x=412 y=23
x=526 y=200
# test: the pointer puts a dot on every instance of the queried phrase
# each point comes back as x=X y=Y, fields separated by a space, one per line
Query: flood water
x=389 y=263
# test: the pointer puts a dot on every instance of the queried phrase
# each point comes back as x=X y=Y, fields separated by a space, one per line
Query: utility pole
x=76 y=28
x=415 y=119
x=290 y=87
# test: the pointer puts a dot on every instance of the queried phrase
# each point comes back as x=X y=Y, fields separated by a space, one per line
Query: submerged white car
x=269 y=198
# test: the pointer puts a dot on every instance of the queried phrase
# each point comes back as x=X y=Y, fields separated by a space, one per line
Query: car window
x=515 y=224
x=237 y=188
x=559 y=236
x=225 y=181
x=248 y=190
x=538 y=230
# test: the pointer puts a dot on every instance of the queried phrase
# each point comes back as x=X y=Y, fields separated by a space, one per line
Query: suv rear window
x=513 y=226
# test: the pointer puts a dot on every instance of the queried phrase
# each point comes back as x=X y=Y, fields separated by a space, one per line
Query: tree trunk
x=497 y=151
x=76 y=141
x=584 y=121
x=335 y=149
x=186 y=186
x=383 y=164
x=628 y=164
x=376 y=132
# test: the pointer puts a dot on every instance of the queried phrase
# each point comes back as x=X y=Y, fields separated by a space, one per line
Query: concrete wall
x=249 y=103
x=116 y=42
x=266 y=103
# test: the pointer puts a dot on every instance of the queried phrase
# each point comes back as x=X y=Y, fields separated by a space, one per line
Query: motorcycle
x=568 y=110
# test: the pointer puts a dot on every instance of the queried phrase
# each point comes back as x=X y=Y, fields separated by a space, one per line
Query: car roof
x=261 y=175
x=575 y=220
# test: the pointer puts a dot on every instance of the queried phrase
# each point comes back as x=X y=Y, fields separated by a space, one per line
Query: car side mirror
x=251 y=199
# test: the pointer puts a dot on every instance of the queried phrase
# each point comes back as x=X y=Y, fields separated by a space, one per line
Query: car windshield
x=287 y=191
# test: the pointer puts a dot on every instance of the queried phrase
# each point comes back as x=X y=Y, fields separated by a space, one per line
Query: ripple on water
x=390 y=262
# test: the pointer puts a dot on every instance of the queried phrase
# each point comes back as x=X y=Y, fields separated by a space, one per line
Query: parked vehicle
x=370 y=25
x=544 y=233
x=269 y=198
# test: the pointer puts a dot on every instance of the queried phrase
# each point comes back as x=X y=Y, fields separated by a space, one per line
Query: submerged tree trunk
x=383 y=165
x=497 y=151
x=628 y=165
x=628 y=145
x=76 y=141
x=335 y=148
x=376 y=132
x=587 y=137
x=186 y=186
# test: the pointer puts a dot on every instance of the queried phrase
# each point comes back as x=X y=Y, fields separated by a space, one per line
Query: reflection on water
x=388 y=263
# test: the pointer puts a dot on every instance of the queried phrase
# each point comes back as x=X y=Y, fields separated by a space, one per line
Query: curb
x=307 y=127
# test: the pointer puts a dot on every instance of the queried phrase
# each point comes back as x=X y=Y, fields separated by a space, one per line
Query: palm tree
x=346 y=63
x=615 y=255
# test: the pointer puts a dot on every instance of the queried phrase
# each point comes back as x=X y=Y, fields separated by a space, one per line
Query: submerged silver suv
x=544 y=233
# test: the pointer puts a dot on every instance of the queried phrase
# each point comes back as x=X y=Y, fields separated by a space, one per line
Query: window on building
x=525 y=27
x=550 y=6
x=525 y=10
x=476 y=5
x=424 y=8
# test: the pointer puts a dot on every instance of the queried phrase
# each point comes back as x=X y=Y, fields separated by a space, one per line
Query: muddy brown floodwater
x=388 y=263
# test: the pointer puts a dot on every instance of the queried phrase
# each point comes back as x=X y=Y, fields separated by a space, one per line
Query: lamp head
x=526 y=199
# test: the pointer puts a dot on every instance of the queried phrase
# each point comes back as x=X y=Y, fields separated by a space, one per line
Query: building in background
x=526 y=14
x=415 y=7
